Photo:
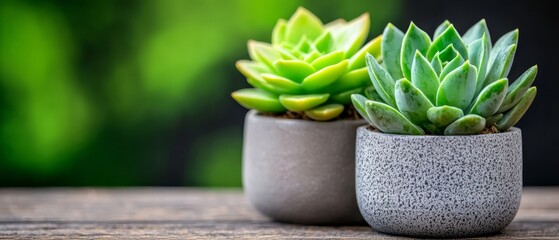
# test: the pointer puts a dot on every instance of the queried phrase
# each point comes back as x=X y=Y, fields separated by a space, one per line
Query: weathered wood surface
x=186 y=213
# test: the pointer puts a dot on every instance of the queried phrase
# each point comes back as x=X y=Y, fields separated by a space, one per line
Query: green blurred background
x=123 y=93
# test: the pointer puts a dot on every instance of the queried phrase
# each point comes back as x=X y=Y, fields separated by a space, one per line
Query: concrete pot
x=301 y=171
x=438 y=186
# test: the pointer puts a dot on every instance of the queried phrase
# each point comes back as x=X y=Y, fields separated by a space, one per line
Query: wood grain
x=187 y=213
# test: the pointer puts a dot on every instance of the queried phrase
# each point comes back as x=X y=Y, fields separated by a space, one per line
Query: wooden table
x=190 y=213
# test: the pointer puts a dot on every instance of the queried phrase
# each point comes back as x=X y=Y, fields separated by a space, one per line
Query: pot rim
x=256 y=115
x=512 y=130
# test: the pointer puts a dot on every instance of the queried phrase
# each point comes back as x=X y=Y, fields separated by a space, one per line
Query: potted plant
x=442 y=158
x=299 y=137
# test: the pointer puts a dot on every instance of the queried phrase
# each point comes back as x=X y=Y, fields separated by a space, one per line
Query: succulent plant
x=309 y=67
x=452 y=85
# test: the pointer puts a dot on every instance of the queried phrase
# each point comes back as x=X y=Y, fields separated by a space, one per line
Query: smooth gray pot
x=301 y=171
x=439 y=186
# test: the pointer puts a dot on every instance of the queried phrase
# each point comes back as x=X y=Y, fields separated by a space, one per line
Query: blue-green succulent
x=448 y=84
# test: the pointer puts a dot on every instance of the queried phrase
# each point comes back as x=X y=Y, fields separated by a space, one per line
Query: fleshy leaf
x=302 y=23
x=515 y=114
x=493 y=119
x=449 y=36
x=328 y=60
x=262 y=101
x=389 y=120
x=424 y=77
x=325 y=112
x=298 y=103
x=325 y=76
x=441 y=28
x=490 y=98
x=261 y=84
x=502 y=43
x=263 y=52
x=283 y=84
x=383 y=82
x=358 y=101
x=451 y=66
x=502 y=64
x=372 y=47
x=466 y=125
x=392 y=39
x=518 y=88
x=324 y=42
x=278 y=34
x=412 y=103
x=350 y=80
x=251 y=69
x=313 y=55
x=437 y=64
x=458 y=87
x=344 y=97
x=351 y=36
x=447 y=54
x=444 y=115
x=414 y=40
x=295 y=70
x=478 y=52
x=476 y=32
x=371 y=93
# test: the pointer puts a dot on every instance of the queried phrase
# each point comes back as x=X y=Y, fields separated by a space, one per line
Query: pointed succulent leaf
x=325 y=76
x=295 y=70
x=262 y=101
x=391 y=47
x=518 y=88
x=490 y=98
x=502 y=43
x=358 y=101
x=389 y=120
x=424 y=77
x=325 y=112
x=352 y=35
x=441 y=28
x=515 y=114
x=414 y=40
x=437 y=64
x=298 y=103
x=447 y=54
x=324 y=42
x=303 y=46
x=476 y=32
x=278 y=34
x=451 y=66
x=372 y=94
x=285 y=54
x=466 y=125
x=383 y=82
x=412 y=103
x=251 y=69
x=302 y=23
x=491 y=120
x=328 y=60
x=502 y=64
x=444 y=115
x=283 y=84
x=261 y=84
x=449 y=36
x=372 y=47
x=458 y=87
x=313 y=55
x=263 y=52
x=345 y=96
x=478 y=52
x=350 y=80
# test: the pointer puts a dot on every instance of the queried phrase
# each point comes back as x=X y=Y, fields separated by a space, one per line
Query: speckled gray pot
x=301 y=171
x=438 y=186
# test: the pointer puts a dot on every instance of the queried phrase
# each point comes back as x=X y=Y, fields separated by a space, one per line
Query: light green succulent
x=309 y=67
x=451 y=85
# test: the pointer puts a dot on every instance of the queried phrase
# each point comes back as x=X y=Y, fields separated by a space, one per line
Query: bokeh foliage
x=133 y=92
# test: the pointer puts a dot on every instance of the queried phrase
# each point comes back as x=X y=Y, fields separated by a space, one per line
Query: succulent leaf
x=295 y=70
x=358 y=101
x=442 y=116
x=325 y=76
x=383 y=82
x=350 y=80
x=298 y=103
x=476 y=32
x=515 y=114
x=313 y=55
x=441 y=28
x=466 y=125
x=414 y=40
x=328 y=60
x=389 y=120
x=437 y=64
x=502 y=43
x=372 y=94
x=344 y=97
x=451 y=66
x=424 y=77
x=412 y=103
x=447 y=54
x=282 y=84
x=325 y=112
x=263 y=52
x=491 y=120
x=278 y=34
x=490 y=98
x=302 y=23
x=449 y=36
x=478 y=52
x=257 y=99
x=458 y=87
x=372 y=47
x=391 y=47
x=518 y=88
x=324 y=42
x=351 y=36
x=501 y=67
